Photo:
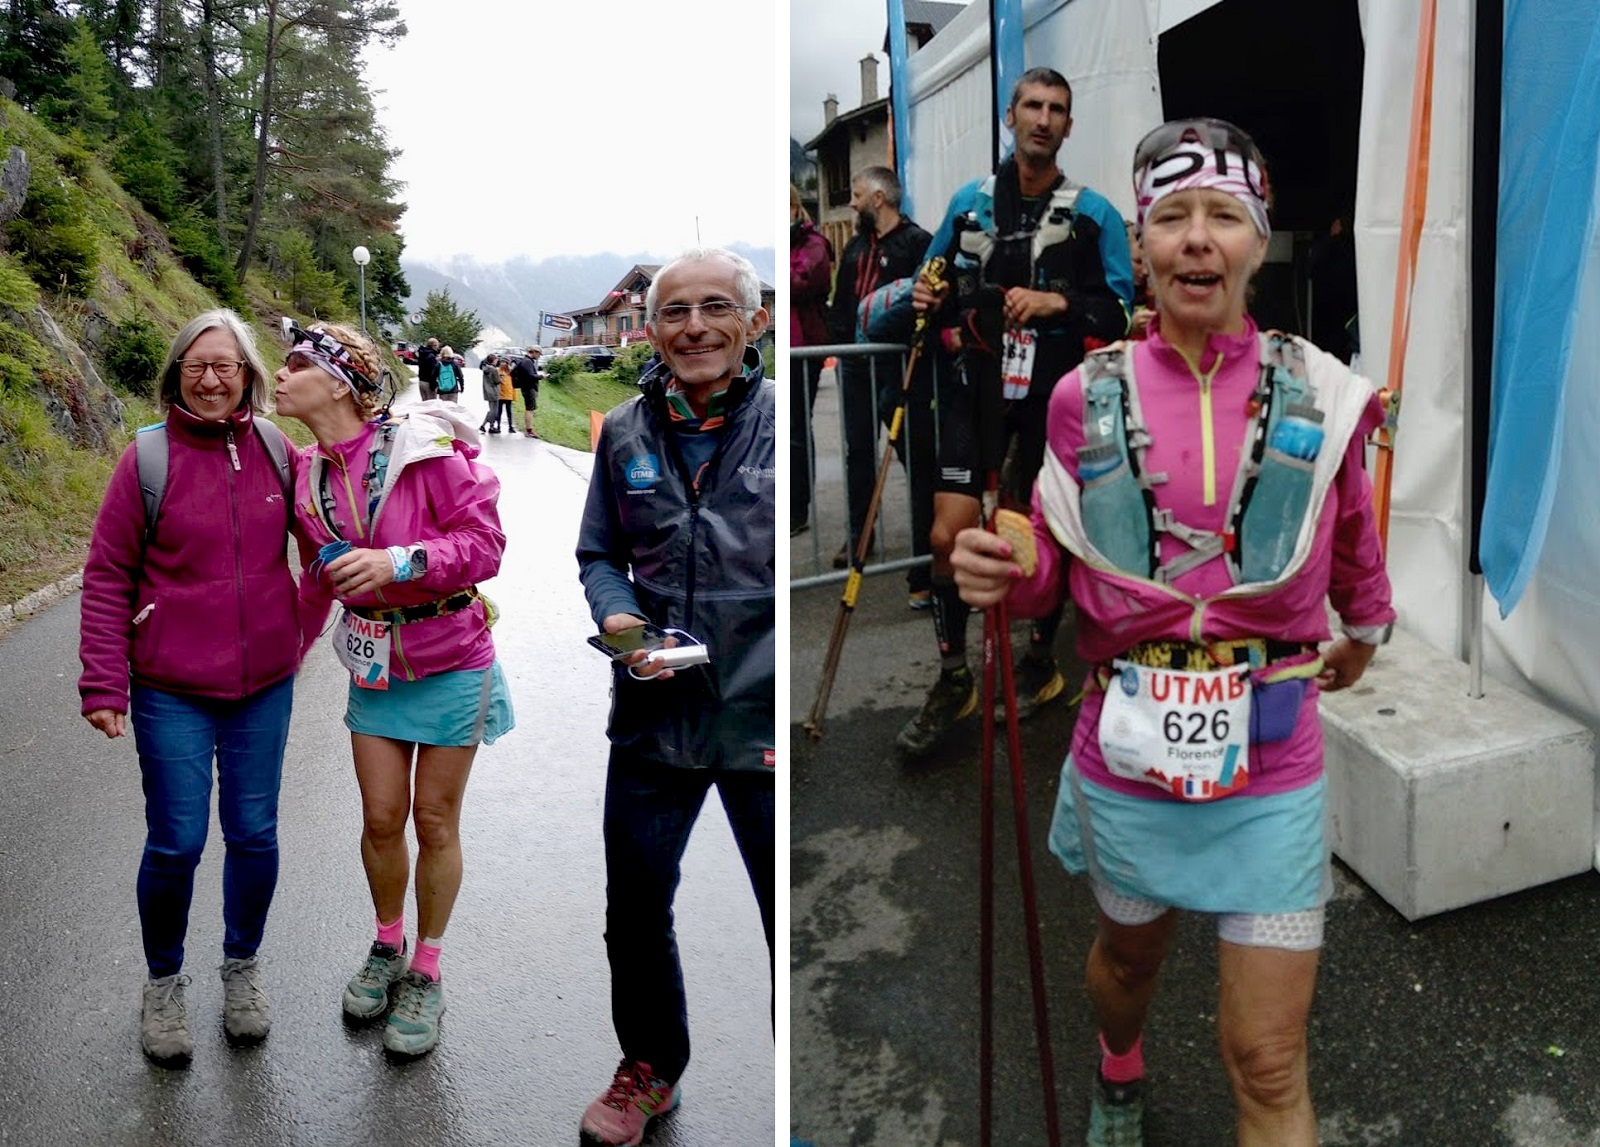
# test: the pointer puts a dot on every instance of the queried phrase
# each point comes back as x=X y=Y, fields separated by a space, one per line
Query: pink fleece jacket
x=1115 y=613
x=213 y=594
x=444 y=502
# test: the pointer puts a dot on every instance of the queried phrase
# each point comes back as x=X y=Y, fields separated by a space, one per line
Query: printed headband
x=330 y=354
x=1203 y=153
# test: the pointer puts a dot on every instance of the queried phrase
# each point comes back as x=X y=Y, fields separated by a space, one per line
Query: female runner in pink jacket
x=407 y=525
x=1195 y=776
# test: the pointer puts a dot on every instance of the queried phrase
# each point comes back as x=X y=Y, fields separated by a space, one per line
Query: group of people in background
x=504 y=375
x=193 y=628
x=1195 y=487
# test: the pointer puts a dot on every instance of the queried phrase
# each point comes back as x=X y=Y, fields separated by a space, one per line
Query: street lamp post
x=362 y=257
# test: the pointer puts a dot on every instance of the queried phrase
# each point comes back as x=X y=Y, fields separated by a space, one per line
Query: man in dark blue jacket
x=679 y=531
x=428 y=369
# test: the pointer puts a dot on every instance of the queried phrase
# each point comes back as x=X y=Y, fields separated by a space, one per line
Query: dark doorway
x=1290 y=75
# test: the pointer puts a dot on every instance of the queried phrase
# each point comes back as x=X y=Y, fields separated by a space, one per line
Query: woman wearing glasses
x=407 y=526
x=1202 y=502
x=190 y=629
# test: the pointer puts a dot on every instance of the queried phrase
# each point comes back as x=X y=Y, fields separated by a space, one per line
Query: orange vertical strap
x=1412 y=213
x=596 y=421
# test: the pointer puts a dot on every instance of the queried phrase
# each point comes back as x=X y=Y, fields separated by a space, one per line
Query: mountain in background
x=510 y=295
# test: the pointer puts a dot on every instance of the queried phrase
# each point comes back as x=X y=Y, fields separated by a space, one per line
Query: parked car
x=600 y=357
x=406 y=353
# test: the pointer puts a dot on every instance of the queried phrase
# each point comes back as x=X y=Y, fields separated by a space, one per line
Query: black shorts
x=530 y=397
x=1024 y=443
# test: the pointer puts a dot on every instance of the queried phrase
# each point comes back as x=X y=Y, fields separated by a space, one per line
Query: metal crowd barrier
x=835 y=420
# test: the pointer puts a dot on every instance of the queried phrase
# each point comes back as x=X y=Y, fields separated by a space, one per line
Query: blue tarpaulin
x=1006 y=35
x=1550 y=144
x=899 y=99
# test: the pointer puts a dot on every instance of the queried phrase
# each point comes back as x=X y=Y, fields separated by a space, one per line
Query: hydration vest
x=1272 y=488
x=1034 y=249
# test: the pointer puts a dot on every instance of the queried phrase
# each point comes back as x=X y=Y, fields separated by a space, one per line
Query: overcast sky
x=613 y=126
x=827 y=39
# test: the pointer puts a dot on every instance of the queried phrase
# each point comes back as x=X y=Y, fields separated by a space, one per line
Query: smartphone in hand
x=636 y=637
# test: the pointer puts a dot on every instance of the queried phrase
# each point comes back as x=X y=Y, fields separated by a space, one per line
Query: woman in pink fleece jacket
x=191 y=630
x=407 y=524
x=1202 y=502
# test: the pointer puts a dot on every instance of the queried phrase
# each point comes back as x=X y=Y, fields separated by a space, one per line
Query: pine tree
x=443 y=319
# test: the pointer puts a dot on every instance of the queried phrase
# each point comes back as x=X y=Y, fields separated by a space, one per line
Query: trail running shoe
x=919 y=599
x=366 y=996
x=954 y=697
x=1038 y=681
x=246 y=1018
x=413 y=1027
x=164 y=1021
x=621 y=1116
x=1116 y=1114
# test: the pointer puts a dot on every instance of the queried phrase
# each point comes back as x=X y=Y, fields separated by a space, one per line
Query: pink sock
x=426 y=960
x=1124 y=1068
x=393 y=933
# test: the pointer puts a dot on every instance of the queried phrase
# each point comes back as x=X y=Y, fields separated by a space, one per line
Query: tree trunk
x=258 y=188
x=219 y=182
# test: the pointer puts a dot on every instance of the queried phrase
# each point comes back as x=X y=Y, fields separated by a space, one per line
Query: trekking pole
x=997 y=658
x=933 y=275
x=997 y=654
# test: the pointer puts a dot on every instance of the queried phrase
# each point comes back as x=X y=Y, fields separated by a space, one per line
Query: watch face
x=419 y=559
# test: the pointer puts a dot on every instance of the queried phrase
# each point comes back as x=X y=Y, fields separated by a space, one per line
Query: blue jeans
x=650 y=811
x=178 y=736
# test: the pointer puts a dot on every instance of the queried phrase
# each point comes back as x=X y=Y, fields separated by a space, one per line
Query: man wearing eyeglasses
x=1042 y=274
x=679 y=531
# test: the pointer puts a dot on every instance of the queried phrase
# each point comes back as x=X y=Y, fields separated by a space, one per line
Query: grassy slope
x=563 y=414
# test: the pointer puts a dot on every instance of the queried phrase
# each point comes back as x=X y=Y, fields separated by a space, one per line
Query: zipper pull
x=232 y=452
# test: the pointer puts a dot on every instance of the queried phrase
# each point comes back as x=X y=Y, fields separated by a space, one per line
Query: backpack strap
x=150 y=453
x=278 y=448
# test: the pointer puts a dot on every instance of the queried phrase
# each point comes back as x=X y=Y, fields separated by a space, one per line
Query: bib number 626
x=1193 y=727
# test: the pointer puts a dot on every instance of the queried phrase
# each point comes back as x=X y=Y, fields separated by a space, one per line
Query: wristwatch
x=418 y=557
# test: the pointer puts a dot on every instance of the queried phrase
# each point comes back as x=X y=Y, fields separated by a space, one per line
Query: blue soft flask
x=1114 y=513
x=1272 y=520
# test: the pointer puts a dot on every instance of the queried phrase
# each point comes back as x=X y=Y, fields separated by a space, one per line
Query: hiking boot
x=635 y=1099
x=1116 y=1114
x=366 y=996
x=246 y=1019
x=1037 y=680
x=954 y=697
x=413 y=1027
x=164 y=1021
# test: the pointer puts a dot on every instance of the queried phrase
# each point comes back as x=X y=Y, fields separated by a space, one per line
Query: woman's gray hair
x=255 y=386
x=747 y=282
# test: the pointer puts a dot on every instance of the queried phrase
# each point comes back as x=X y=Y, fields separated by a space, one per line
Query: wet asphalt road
x=1478 y=1027
x=527 y=1038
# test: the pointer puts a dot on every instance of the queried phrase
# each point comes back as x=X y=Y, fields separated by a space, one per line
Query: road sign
x=416 y=317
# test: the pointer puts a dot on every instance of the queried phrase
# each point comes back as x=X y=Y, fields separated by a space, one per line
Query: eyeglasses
x=1213 y=133
x=195 y=368
x=675 y=314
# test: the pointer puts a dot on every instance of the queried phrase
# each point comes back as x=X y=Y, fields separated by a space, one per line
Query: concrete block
x=1438 y=800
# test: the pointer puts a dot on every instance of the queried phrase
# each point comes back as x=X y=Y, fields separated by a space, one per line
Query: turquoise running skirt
x=467 y=707
x=1244 y=854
